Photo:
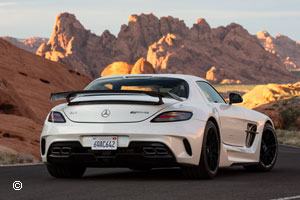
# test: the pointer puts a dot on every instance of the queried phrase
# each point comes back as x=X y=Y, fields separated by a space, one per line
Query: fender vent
x=187 y=146
x=251 y=133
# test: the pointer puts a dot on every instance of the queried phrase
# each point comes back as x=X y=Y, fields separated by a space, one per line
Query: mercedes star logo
x=105 y=113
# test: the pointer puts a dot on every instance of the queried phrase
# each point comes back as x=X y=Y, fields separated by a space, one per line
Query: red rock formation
x=263 y=94
x=231 y=48
x=217 y=75
x=284 y=112
x=29 y=44
x=198 y=29
x=272 y=112
x=26 y=82
x=11 y=103
x=287 y=49
x=117 y=68
x=72 y=44
x=169 y=46
x=142 y=66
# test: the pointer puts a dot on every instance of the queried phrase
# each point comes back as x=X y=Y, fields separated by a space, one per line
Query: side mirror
x=235 y=98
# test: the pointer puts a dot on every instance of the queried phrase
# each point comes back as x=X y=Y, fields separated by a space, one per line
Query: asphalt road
x=231 y=183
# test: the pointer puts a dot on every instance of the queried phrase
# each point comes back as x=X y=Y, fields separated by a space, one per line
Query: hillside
x=26 y=81
x=222 y=55
x=29 y=44
x=285 y=48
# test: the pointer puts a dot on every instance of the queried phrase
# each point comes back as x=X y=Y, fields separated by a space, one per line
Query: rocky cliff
x=26 y=82
x=227 y=54
x=282 y=46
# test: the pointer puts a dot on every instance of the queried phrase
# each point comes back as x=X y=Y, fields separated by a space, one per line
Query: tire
x=66 y=171
x=268 y=151
x=210 y=155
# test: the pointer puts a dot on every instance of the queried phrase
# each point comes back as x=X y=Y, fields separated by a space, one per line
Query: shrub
x=289 y=116
x=11 y=158
x=288 y=137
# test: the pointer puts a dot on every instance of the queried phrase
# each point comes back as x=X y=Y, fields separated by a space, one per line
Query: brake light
x=173 y=116
x=56 y=117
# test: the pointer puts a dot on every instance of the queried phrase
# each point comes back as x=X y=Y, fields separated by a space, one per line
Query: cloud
x=2 y=4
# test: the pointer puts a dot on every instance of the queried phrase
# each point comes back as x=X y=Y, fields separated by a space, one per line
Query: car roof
x=182 y=76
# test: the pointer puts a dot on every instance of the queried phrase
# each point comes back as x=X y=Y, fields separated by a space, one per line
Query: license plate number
x=105 y=143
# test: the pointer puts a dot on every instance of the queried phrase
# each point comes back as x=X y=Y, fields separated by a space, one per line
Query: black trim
x=251 y=134
x=136 y=154
x=235 y=98
x=43 y=146
x=113 y=102
x=214 y=89
x=73 y=94
x=187 y=146
x=244 y=164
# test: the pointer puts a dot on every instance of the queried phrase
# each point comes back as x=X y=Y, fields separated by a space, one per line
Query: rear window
x=158 y=84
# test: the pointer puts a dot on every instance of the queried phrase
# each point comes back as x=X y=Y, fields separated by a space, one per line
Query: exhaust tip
x=61 y=150
x=65 y=150
x=161 y=151
x=149 y=150
x=56 y=150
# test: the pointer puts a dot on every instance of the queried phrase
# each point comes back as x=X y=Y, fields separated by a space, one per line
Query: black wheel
x=268 y=150
x=210 y=155
x=66 y=171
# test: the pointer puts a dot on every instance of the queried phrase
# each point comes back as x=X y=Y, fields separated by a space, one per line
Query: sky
x=27 y=18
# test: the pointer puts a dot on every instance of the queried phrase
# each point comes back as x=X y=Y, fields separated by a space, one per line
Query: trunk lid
x=96 y=112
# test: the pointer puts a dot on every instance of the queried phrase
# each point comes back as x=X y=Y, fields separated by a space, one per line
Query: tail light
x=56 y=117
x=173 y=116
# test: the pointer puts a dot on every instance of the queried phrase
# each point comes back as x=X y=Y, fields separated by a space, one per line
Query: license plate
x=105 y=143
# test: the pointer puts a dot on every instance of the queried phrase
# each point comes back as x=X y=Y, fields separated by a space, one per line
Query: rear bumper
x=149 y=154
x=171 y=135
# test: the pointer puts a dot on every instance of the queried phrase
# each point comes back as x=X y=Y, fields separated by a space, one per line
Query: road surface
x=231 y=183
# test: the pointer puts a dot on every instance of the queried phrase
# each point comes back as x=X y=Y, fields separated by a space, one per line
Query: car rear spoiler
x=73 y=94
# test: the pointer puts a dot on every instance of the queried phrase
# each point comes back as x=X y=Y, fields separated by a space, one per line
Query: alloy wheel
x=268 y=148
x=212 y=150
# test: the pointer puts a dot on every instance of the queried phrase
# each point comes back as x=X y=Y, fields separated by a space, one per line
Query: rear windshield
x=157 y=84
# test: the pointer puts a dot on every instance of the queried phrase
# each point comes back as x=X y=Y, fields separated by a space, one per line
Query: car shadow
x=158 y=174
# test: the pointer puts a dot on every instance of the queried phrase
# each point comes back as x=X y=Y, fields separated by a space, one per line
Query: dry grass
x=234 y=87
x=288 y=137
x=7 y=158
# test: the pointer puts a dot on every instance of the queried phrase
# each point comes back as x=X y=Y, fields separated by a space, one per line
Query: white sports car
x=150 y=121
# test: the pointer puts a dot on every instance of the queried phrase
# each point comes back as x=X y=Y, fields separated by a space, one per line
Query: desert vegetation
x=235 y=87
x=7 y=158
x=288 y=137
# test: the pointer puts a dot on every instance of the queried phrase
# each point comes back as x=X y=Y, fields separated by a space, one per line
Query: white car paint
x=232 y=121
